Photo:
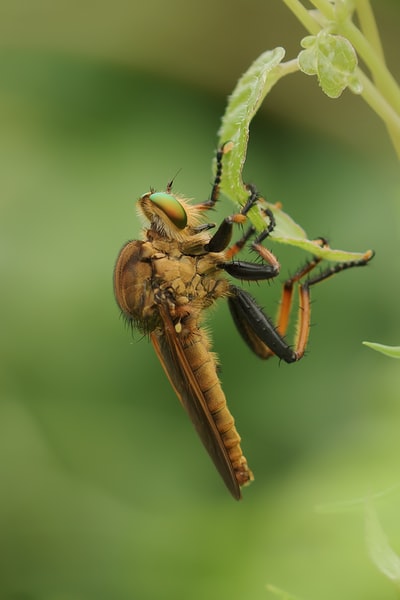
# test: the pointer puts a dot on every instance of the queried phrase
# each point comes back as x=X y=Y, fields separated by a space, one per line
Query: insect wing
x=180 y=374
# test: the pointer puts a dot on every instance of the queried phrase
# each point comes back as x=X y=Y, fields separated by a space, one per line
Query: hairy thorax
x=160 y=271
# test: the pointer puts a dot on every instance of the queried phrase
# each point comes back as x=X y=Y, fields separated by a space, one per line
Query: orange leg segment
x=304 y=316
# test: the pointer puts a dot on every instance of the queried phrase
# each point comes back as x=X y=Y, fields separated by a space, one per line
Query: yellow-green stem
x=368 y=26
x=303 y=16
x=378 y=103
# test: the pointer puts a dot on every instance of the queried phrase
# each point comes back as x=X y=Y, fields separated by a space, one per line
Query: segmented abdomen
x=203 y=364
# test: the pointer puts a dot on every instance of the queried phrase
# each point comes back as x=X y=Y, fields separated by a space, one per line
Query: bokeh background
x=105 y=491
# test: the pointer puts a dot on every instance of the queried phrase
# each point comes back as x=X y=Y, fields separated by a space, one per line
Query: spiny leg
x=222 y=237
x=304 y=297
x=256 y=245
x=258 y=330
x=249 y=271
x=215 y=191
x=285 y=305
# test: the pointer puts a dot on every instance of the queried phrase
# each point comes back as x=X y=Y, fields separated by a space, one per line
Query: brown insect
x=164 y=283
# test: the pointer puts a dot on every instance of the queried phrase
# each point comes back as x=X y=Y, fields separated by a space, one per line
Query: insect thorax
x=156 y=272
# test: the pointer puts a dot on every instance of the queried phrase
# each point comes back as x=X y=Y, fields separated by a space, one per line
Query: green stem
x=383 y=109
x=285 y=68
x=371 y=33
x=385 y=100
x=303 y=16
x=384 y=79
x=325 y=8
x=368 y=26
x=366 y=50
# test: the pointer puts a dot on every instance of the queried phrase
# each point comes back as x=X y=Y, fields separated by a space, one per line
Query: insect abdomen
x=203 y=364
x=132 y=286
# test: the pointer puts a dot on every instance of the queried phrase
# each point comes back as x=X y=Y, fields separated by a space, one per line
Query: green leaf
x=333 y=59
x=392 y=351
x=289 y=232
x=243 y=104
x=279 y=593
x=379 y=549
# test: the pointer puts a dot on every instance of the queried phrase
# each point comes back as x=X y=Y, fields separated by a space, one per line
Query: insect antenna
x=171 y=183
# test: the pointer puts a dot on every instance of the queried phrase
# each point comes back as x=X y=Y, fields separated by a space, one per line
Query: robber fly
x=164 y=284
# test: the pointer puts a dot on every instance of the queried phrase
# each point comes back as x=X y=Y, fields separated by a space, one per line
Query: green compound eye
x=171 y=207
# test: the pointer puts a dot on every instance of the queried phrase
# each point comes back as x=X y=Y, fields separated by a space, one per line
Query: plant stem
x=384 y=99
x=325 y=8
x=290 y=66
x=303 y=16
x=383 y=109
x=384 y=79
x=368 y=26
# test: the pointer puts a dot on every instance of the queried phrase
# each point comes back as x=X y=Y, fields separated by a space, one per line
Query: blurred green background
x=105 y=491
